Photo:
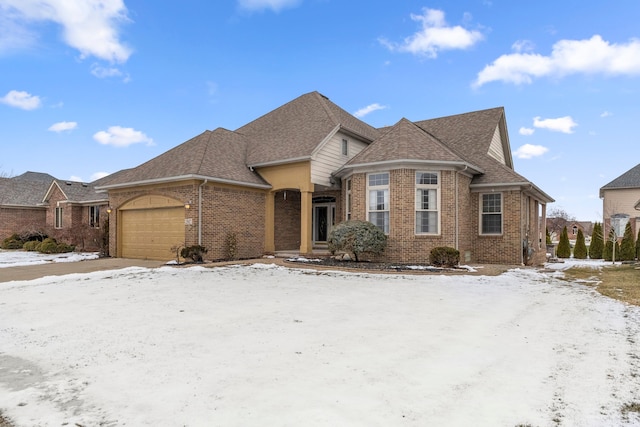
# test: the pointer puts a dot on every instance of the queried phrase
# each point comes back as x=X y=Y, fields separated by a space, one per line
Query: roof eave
x=461 y=165
x=180 y=178
x=523 y=185
x=280 y=162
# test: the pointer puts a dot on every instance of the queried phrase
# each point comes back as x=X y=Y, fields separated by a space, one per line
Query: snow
x=265 y=345
x=22 y=258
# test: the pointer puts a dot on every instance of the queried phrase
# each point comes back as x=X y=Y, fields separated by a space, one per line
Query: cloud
x=105 y=72
x=98 y=175
x=368 y=109
x=526 y=131
x=275 y=5
x=75 y=178
x=592 y=56
x=528 y=151
x=20 y=99
x=434 y=36
x=606 y=114
x=121 y=137
x=561 y=124
x=62 y=126
x=90 y=26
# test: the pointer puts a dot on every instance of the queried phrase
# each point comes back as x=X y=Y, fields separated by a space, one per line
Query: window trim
x=57 y=220
x=482 y=213
x=437 y=210
x=94 y=216
x=344 y=148
x=381 y=187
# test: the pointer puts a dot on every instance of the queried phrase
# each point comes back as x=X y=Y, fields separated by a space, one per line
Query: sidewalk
x=30 y=272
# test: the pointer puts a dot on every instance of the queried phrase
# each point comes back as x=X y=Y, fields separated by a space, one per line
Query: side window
x=491 y=213
x=378 y=206
x=427 y=203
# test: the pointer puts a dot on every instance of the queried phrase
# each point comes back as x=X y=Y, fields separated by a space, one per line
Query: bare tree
x=557 y=219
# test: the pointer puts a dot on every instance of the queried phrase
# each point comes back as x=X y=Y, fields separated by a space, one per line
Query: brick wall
x=21 y=220
x=287 y=220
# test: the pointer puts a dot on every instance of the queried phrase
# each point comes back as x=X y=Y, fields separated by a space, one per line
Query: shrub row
x=48 y=246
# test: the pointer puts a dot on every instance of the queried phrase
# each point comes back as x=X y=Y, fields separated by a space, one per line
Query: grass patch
x=621 y=282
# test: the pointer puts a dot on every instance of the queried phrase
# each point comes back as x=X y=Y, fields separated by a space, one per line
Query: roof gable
x=629 y=179
x=26 y=190
x=294 y=130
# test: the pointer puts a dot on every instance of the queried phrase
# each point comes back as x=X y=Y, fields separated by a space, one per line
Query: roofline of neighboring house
x=464 y=166
x=534 y=189
x=603 y=189
x=280 y=162
x=103 y=188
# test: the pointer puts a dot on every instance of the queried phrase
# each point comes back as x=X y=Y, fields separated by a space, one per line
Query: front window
x=378 y=191
x=94 y=216
x=58 y=219
x=427 y=203
x=491 y=221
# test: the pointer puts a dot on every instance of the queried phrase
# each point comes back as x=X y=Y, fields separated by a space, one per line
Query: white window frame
x=344 y=148
x=348 y=199
x=94 y=216
x=491 y=212
x=434 y=208
x=378 y=186
x=58 y=217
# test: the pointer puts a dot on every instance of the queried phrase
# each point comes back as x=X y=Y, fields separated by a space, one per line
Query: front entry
x=324 y=218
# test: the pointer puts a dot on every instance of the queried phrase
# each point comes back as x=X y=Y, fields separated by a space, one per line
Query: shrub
x=580 y=251
x=31 y=245
x=64 y=247
x=48 y=246
x=357 y=237
x=12 y=242
x=444 y=256
x=564 y=247
x=610 y=249
x=597 y=242
x=628 y=245
x=194 y=252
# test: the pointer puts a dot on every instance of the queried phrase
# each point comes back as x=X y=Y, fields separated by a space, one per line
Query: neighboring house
x=556 y=225
x=281 y=182
x=621 y=199
x=37 y=202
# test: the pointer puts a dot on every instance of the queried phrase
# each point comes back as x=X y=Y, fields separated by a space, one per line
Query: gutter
x=104 y=188
x=280 y=162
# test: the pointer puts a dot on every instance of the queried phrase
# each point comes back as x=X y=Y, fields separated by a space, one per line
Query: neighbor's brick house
x=282 y=181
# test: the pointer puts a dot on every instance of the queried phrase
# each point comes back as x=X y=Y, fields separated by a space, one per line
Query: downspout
x=200 y=211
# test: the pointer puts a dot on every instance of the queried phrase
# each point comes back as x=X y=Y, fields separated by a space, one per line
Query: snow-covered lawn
x=21 y=258
x=262 y=345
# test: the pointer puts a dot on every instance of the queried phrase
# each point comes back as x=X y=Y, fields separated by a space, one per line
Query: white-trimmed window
x=94 y=216
x=345 y=147
x=58 y=218
x=427 y=203
x=349 y=201
x=378 y=193
x=491 y=213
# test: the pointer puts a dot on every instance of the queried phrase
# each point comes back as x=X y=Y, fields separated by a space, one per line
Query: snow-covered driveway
x=269 y=346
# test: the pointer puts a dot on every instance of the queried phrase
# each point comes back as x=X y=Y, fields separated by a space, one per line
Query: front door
x=324 y=217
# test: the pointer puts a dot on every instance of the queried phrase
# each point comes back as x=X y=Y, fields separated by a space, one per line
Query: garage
x=150 y=233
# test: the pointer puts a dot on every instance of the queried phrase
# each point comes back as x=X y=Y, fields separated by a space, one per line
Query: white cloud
x=90 y=26
x=526 y=131
x=275 y=5
x=62 y=126
x=369 y=109
x=121 y=137
x=434 y=36
x=98 y=175
x=522 y=46
x=606 y=114
x=105 y=72
x=528 y=151
x=561 y=124
x=592 y=56
x=21 y=99
x=75 y=178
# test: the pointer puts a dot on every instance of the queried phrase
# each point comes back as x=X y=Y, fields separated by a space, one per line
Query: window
x=378 y=191
x=345 y=147
x=94 y=216
x=427 y=203
x=349 y=200
x=491 y=221
x=58 y=219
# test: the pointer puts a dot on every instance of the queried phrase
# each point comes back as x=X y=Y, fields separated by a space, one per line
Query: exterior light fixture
x=109 y=209
x=187 y=205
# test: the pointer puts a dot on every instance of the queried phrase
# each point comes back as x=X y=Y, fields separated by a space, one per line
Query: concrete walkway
x=30 y=272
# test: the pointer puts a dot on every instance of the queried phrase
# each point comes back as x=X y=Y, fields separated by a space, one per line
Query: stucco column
x=269 y=228
x=306 y=240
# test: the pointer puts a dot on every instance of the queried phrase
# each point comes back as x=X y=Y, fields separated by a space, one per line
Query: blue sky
x=89 y=87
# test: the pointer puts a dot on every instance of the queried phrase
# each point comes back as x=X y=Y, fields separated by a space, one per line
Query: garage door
x=150 y=233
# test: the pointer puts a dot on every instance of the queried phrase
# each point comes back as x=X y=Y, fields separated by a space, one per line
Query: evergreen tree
x=608 y=252
x=638 y=246
x=549 y=242
x=564 y=247
x=597 y=242
x=580 y=250
x=628 y=245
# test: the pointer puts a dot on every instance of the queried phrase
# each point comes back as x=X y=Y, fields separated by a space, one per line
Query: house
x=282 y=181
x=621 y=201
x=39 y=203
x=557 y=224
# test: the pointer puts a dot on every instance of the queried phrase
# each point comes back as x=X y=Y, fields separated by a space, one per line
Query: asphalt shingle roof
x=27 y=189
x=629 y=179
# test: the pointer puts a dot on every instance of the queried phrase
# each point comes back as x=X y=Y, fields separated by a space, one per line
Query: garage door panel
x=150 y=233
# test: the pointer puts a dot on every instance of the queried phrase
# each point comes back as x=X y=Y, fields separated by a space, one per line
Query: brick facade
x=21 y=220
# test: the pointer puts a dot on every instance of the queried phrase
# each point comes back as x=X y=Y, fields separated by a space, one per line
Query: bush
x=628 y=245
x=31 y=245
x=597 y=242
x=444 y=256
x=357 y=237
x=194 y=252
x=12 y=242
x=51 y=246
x=580 y=251
x=564 y=247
